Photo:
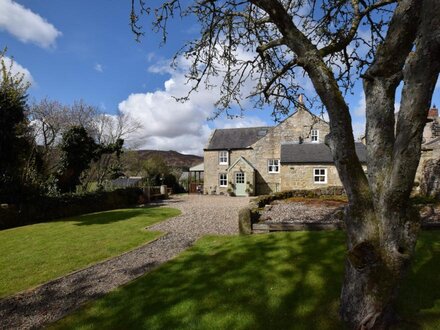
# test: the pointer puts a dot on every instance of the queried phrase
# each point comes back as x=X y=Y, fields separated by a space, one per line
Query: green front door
x=240 y=184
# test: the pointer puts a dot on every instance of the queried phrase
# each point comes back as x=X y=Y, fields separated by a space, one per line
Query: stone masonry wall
x=301 y=176
x=212 y=169
x=291 y=130
x=296 y=127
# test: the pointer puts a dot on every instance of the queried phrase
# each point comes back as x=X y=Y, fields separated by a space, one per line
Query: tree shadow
x=274 y=281
x=112 y=216
x=419 y=300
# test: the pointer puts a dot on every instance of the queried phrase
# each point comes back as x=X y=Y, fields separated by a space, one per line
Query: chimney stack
x=433 y=112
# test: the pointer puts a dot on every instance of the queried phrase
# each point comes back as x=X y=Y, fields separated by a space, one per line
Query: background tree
x=50 y=119
x=78 y=150
x=155 y=169
x=399 y=42
x=109 y=130
x=15 y=144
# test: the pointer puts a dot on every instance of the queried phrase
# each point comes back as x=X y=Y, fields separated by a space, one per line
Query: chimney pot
x=433 y=112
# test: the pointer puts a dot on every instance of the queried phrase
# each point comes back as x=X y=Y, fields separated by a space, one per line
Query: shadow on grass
x=419 y=303
x=107 y=217
x=275 y=281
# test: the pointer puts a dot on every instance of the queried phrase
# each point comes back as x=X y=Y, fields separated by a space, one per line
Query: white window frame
x=314 y=135
x=273 y=166
x=317 y=173
x=241 y=174
x=224 y=180
x=223 y=157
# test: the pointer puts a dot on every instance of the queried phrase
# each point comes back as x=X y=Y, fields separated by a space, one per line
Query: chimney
x=433 y=112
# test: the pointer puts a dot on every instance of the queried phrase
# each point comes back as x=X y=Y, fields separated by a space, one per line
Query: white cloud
x=18 y=69
x=26 y=25
x=151 y=56
x=358 y=130
x=240 y=122
x=359 y=110
x=168 y=124
x=172 y=125
x=98 y=67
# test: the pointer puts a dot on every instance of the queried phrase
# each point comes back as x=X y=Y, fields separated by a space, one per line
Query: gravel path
x=49 y=302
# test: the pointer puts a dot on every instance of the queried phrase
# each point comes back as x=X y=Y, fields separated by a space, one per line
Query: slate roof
x=127 y=182
x=433 y=144
x=314 y=153
x=235 y=138
x=197 y=168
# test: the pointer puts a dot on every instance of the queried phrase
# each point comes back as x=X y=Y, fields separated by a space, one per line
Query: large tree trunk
x=382 y=236
x=375 y=266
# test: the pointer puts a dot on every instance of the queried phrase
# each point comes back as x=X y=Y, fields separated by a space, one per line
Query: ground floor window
x=320 y=175
x=223 y=179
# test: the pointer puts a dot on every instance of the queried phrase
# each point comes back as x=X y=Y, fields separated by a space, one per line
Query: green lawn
x=34 y=254
x=274 y=281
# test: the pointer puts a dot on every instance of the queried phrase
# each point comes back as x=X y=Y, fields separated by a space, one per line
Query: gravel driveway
x=49 y=302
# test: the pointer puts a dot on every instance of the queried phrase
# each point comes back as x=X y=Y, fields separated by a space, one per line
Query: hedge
x=45 y=208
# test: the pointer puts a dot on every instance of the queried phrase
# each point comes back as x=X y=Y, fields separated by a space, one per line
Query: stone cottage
x=428 y=172
x=262 y=160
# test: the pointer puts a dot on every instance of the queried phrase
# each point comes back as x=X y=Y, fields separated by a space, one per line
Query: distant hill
x=172 y=158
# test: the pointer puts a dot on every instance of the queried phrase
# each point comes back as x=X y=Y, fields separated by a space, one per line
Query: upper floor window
x=223 y=157
x=314 y=135
x=273 y=166
x=320 y=175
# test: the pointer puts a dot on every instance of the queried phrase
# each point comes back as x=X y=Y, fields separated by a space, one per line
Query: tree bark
x=378 y=259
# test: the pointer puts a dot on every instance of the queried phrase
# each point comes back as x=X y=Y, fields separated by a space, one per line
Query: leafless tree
x=109 y=129
x=334 y=42
x=50 y=119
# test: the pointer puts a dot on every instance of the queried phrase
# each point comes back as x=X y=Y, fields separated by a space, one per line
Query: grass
x=34 y=254
x=273 y=281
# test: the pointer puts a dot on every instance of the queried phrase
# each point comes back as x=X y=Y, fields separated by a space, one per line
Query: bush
x=45 y=208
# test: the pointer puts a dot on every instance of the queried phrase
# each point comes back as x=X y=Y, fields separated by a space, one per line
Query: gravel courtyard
x=201 y=215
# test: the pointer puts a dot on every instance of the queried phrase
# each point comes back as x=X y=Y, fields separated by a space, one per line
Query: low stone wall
x=251 y=214
x=261 y=201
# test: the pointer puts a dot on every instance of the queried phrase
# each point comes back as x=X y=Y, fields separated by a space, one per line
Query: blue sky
x=73 y=50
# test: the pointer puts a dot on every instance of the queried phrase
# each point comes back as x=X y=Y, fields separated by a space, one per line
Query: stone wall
x=293 y=129
x=294 y=176
x=430 y=180
x=213 y=168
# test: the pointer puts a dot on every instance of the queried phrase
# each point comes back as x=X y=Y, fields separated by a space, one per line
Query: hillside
x=172 y=158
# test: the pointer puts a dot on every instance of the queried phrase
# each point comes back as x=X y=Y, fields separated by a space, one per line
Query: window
x=239 y=177
x=314 y=135
x=273 y=166
x=223 y=157
x=223 y=180
x=320 y=175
